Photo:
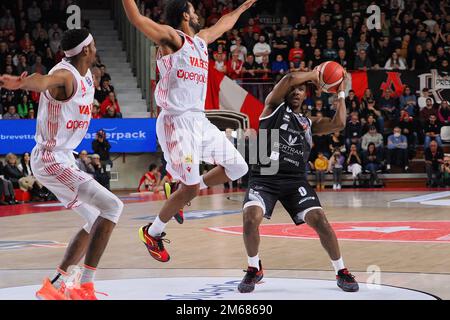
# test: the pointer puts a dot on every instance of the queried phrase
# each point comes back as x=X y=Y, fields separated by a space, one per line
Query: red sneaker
x=85 y=291
x=155 y=245
x=49 y=292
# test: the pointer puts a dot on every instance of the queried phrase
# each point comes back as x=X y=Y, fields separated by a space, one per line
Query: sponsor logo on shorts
x=188 y=159
x=306 y=199
x=294 y=162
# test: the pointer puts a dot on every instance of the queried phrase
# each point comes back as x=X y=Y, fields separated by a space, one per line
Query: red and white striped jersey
x=184 y=77
x=62 y=125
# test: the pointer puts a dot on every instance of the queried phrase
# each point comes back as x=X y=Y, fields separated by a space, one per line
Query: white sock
x=388 y=166
x=58 y=278
x=253 y=261
x=157 y=227
x=338 y=264
x=88 y=274
x=202 y=184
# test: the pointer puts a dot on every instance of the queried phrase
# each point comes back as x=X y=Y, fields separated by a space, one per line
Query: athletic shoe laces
x=160 y=241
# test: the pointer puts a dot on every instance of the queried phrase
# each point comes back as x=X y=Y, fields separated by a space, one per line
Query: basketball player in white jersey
x=185 y=134
x=62 y=122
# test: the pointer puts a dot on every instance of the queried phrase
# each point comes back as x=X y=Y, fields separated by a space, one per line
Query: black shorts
x=295 y=194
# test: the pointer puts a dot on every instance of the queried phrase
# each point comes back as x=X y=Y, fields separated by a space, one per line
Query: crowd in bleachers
x=30 y=38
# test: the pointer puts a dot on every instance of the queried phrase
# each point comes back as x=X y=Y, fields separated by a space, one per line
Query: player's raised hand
x=247 y=4
x=12 y=82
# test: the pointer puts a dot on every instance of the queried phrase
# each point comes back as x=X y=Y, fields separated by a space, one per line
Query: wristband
x=341 y=94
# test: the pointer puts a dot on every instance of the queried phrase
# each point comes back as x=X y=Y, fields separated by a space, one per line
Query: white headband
x=73 y=52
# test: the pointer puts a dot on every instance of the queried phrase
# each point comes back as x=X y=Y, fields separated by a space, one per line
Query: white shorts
x=58 y=172
x=190 y=138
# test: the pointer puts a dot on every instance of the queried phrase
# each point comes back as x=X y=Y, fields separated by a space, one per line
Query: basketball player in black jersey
x=289 y=185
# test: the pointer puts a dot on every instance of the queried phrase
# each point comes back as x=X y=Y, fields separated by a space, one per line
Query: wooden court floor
x=403 y=234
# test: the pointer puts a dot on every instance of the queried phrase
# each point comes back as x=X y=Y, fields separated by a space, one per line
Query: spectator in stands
x=370 y=108
x=49 y=59
x=408 y=101
x=372 y=162
x=434 y=158
x=95 y=114
x=349 y=99
x=318 y=107
x=264 y=69
x=11 y=114
x=336 y=165
x=428 y=110
x=344 y=60
x=24 y=107
x=84 y=163
x=397 y=152
x=240 y=48
x=362 y=61
x=101 y=175
x=444 y=113
x=111 y=103
x=422 y=100
x=372 y=137
x=23 y=65
x=419 y=61
x=29 y=182
x=234 y=66
x=329 y=52
x=336 y=142
x=111 y=113
x=354 y=164
x=220 y=63
x=38 y=67
x=408 y=126
x=389 y=106
x=296 y=55
x=7 y=196
x=101 y=147
x=31 y=114
x=261 y=49
x=11 y=171
x=55 y=42
x=34 y=12
x=432 y=130
x=445 y=170
x=316 y=59
x=321 y=166
x=353 y=131
x=279 y=45
x=279 y=68
x=395 y=62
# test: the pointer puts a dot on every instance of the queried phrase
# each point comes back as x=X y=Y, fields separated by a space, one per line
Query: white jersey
x=62 y=125
x=184 y=77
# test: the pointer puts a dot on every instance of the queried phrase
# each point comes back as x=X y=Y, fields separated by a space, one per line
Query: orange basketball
x=331 y=74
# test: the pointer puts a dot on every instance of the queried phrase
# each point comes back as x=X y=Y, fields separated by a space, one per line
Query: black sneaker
x=252 y=277
x=346 y=281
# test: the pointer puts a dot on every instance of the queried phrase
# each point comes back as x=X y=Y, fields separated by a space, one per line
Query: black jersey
x=291 y=151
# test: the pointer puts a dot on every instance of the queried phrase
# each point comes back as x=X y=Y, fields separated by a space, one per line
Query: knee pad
x=236 y=168
x=108 y=204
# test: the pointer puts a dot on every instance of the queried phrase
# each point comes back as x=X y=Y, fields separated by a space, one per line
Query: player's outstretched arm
x=158 y=33
x=337 y=123
x=282 y=88
x=38 y=82
x=225 y=23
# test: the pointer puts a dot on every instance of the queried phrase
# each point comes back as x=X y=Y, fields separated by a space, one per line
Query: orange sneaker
x=85 y=291
x=155 y=245
x=49 y=292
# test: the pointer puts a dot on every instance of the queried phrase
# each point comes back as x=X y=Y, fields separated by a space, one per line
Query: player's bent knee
x=252 y=217
x=316 y=218
x=114 y=211
x=190 y=192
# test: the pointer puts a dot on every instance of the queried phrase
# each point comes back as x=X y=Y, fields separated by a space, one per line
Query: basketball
x=331 y=75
